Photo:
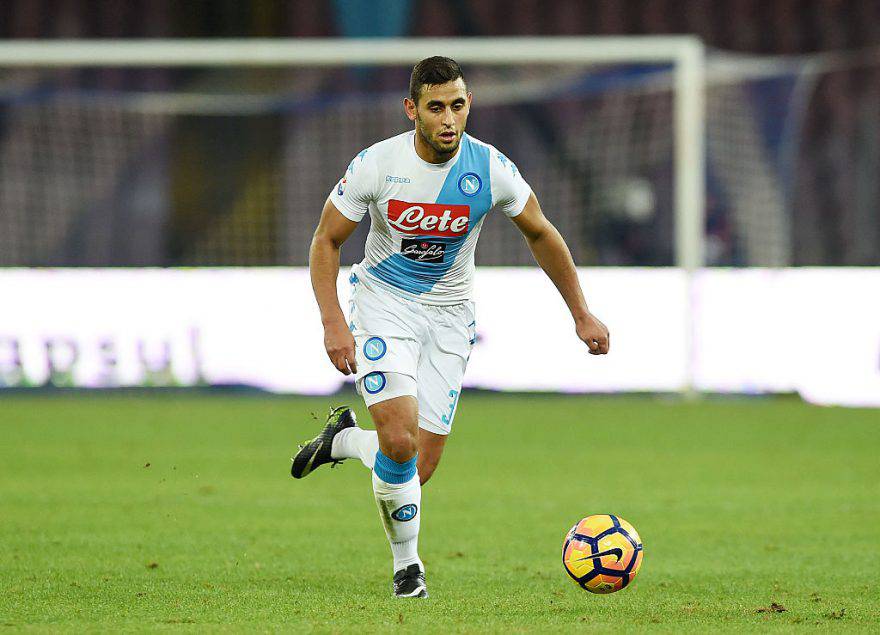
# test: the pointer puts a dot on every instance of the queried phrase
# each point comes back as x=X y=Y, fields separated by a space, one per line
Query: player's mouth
x=447 y=137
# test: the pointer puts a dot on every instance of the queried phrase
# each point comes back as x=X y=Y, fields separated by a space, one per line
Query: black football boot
x=316 y=452
x=410 y=583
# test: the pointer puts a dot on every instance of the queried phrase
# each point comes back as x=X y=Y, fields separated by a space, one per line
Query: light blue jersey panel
x=466 y=184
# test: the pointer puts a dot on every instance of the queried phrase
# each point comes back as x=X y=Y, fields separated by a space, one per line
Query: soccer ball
x=602 y=553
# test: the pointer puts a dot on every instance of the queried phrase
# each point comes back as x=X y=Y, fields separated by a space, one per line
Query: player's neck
x=429 y=154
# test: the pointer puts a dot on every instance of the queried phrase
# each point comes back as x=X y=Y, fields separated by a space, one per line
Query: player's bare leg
x=398 y=490
x=430 y=450
x=354 y=442
x=397 y=426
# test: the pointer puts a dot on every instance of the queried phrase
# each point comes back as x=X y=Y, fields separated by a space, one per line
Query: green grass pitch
x=177 y=512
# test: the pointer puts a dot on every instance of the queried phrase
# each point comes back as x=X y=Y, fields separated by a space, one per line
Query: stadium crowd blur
x=828 y=181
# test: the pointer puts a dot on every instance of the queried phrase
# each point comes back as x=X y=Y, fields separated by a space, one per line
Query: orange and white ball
x=602 y=553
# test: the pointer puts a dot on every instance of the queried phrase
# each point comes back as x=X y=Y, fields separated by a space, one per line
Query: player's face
x=441 y=115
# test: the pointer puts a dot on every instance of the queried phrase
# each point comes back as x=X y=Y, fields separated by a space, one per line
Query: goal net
x=135 y=153
x=176 y=153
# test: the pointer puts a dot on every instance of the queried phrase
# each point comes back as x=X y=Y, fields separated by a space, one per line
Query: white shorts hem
x=430 y=426
x=393 y=385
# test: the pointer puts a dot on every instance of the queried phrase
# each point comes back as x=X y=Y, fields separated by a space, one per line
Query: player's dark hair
x=432 y=71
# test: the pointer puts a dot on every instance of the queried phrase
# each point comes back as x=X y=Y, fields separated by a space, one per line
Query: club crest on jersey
x=429 y=219
x=470 y=184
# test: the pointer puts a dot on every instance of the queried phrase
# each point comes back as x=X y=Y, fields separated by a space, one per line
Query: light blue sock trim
x=393 y=472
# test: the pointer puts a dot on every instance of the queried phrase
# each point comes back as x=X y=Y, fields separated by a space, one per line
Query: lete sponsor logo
x=429 y=219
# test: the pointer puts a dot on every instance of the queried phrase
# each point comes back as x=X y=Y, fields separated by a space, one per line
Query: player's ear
x=470 y=97
x=409 y=106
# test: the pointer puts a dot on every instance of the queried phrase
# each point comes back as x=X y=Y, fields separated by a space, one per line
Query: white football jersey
x=425 y=218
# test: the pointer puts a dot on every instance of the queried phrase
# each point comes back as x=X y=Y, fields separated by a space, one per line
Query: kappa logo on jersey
x=397 y=179
x=422 y=250
x=504 y=160
x=429 y=219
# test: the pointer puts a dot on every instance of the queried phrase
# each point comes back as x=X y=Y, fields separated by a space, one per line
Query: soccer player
x=411 y=323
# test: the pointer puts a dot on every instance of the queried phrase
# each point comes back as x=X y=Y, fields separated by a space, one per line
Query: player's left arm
x=552 y=254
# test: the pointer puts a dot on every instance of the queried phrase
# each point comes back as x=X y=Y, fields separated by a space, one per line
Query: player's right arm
x=333 y=230
x=347 y=204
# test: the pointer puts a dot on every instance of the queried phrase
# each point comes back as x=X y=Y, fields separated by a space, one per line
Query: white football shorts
x=397 y=339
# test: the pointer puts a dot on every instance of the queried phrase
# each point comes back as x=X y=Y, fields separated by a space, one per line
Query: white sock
x=356 y=443
x=400 y=509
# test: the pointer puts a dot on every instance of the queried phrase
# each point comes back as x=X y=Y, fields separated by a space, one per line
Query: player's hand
x=594 y=334
x=339 y=343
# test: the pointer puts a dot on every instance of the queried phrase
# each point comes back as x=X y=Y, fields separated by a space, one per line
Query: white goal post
x=684 y=53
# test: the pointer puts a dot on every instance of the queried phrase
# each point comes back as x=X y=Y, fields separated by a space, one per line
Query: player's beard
x=443 y=150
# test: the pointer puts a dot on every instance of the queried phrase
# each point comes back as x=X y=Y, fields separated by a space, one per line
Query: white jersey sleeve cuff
x=345 y=208
x=519 y=204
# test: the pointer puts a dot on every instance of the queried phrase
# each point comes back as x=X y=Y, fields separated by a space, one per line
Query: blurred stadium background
x=154 y=231
x=792 y=140
x=222 y=165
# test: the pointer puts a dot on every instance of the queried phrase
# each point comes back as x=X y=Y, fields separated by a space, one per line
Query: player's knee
x=398 y=444
x=396 y=422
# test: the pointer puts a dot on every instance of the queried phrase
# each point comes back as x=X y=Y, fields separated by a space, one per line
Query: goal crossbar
x=335 y=51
